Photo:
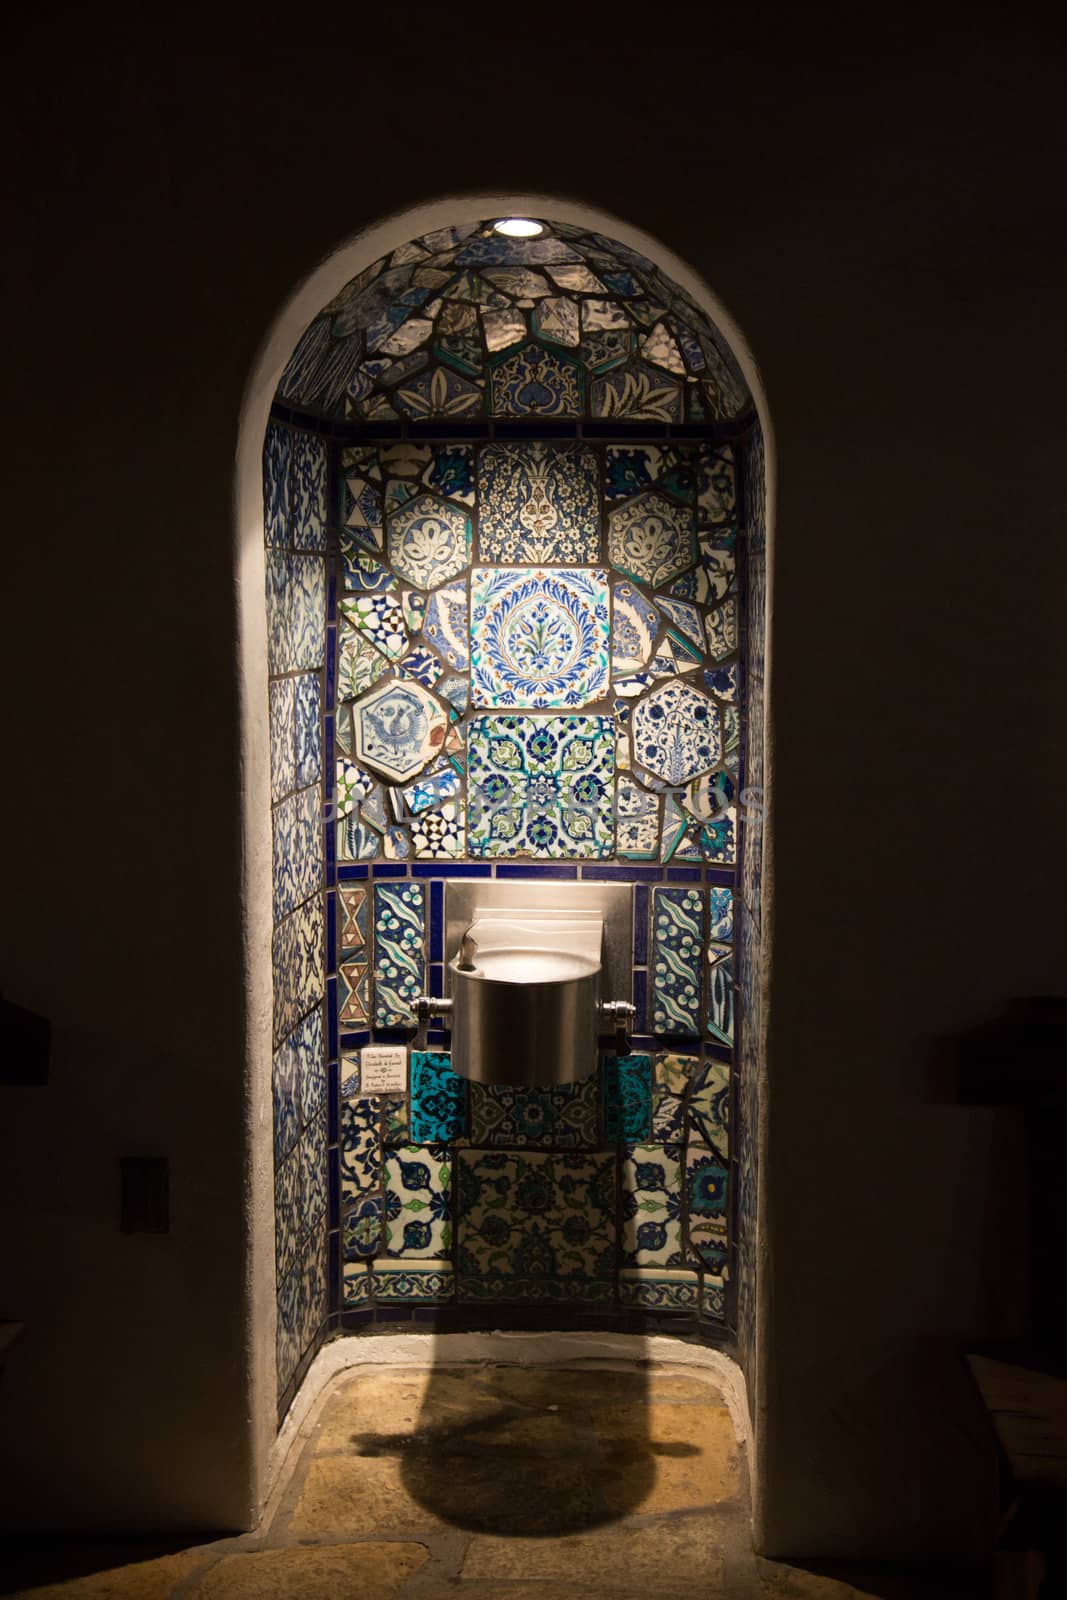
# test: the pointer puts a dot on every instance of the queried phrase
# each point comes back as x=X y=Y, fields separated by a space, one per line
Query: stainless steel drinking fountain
x=537 y=971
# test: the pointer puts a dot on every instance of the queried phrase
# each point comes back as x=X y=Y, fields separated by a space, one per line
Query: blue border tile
x=423 y=869
x=511 y=870
x=683 y=874
x=348 y=874
x=640 y=925
x=437 y=920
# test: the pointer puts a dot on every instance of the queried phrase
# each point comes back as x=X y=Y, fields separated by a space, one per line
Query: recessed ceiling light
x=519 y=227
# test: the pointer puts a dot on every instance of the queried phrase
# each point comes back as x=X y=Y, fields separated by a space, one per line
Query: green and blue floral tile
x=399 y=965
x=541 y=786
x=677 y=943
x=356 y=1284
x=651 y=1207
x=563 y=1117
x=649 y=1289
x=535 y=1227
x=438 y=1099
x=539 y=636
x=626 y=1092
x=706 y=1179
x=418 y=1204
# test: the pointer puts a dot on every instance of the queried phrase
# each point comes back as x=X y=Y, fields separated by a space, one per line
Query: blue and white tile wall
x=578 y=720
x=532 y=657
x=295 y=467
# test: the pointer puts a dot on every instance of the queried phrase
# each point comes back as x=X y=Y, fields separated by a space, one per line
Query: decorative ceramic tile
x=361 y=512
x=298 y=1082
x=532 y=381
x=414 y=1280
x=637 y=827
x=397 y=728
x=706 y=1179
x=651 y=1233
x=361 y=571
x=395 y=1120
x=563 y=1117
x=361 y=663
x=651 y=538
x=720 y=629
x=671 y=1077
x=429 y=540
x=433 y=790
x=308 y=492
x=298 y=948
x=418 y=1210
x=287 y=1334
x=438 y=1099
x=627 y=1097
x=721 y=993
x=652 y=1290
x=541 y=786
x=420 y=666
x=676 y=732
x=354 y=787
x=535 y=1227
x=720 y=913
x=439 y=835
x=440 y=393
x=709 y=1107
x=307 y=730
x=717 y=485
x=677 y=945
x=445 y=626
x=380 y=617
x=539 y=636
x=539 y=502
x=282 y=738
x=353 y=985
x=717 y=839
x=709 y=796
x=400 y=968
x=638 y=393
x=713 y=1298
x=686 y=618
x=352 y=910
x=298 y=858
x=723 y=681
x=356 y=1286
x=634 y=625
x=276 y=453
x=299 y=1192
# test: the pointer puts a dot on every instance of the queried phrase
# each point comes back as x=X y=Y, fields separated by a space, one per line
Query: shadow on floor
x=529 y=1452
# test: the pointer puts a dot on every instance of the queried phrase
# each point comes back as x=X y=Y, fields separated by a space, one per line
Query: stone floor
x=484 y=1483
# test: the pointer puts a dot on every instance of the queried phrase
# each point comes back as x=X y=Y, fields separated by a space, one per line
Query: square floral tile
x=651 y=1206
x=677 y=942
x=535 y=1227
x=653 y=1290
x=282 y=738
x=307 y=495
x=438 y=1099
x=709 y=1107
x=298 y=1082
x=627 y=1097
x=277 y=448
x=539 y=636
x=541 y=786
x=559 y=1118
x=539 y=502
x=706 y=1179
x=399 y=963
x=418 y=1207
x=671 y=1077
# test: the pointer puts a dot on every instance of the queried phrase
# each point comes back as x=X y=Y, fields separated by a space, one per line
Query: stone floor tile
x=677 y=1552
x=378 y=1405
x=136 y=1580
x=373 y=1571
x=660 y=1457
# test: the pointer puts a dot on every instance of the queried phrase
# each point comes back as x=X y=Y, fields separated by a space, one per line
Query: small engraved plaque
x=383 y=1068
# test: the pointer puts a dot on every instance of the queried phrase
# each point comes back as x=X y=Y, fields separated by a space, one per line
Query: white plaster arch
x=316 y=290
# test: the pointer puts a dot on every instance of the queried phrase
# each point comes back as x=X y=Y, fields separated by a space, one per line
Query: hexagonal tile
x=676 y=732
x=429 y=540
x=397 y=728
x=651 y=538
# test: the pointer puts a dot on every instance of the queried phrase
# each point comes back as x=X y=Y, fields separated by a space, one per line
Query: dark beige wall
x=883 y=219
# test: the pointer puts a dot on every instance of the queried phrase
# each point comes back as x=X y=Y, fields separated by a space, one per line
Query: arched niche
x=348 y=375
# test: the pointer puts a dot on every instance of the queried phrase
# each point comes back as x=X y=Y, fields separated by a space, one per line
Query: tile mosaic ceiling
x=463 y=323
